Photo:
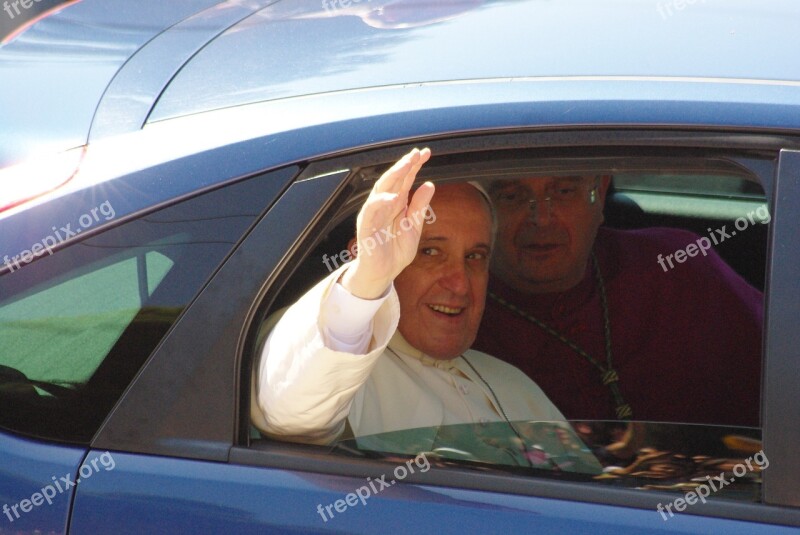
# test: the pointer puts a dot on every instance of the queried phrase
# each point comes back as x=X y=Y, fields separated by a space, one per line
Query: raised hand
x=388 y=227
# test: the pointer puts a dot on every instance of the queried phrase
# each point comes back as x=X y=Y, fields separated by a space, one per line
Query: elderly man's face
x=443 y=291
x=543 y=246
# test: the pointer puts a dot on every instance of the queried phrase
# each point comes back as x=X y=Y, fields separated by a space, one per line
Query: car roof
x=306 y=47
x=116 y=66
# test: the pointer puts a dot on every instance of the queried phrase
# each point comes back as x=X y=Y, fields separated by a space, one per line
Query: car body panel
x=28 y=467
x=158 y=164
x=160 y=495
x=350 y=54
x=111 y=83
x=175 y=99
x=75 y=52
x=130 y=96
x=330 y=123
x=130 y=193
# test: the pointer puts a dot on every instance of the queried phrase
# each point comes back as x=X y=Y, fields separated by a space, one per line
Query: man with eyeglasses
x=588 y=313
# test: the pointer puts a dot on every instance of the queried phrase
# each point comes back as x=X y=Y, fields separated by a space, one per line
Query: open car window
x=714 y=202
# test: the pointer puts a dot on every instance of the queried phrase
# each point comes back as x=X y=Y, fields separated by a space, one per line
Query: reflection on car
x=234 y=143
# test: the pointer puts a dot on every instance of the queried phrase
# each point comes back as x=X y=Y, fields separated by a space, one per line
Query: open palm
x=388 y=227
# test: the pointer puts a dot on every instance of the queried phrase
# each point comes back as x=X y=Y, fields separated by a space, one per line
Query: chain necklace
x=608 y=375
x=523 y=443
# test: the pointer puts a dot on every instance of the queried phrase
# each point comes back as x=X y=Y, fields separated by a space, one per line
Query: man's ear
x=352 y=246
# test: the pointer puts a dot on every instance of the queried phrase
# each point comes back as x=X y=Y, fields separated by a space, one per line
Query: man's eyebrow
x=481 y=245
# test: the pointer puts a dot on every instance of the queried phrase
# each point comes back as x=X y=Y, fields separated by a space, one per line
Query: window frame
x=164 y=412
x=318 y=458
x=780 y=375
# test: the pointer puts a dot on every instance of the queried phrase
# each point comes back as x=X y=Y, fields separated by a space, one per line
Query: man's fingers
x=419 y=203
x=391 y=181
x=424 y=156
x=396 y=178
x=416 y=165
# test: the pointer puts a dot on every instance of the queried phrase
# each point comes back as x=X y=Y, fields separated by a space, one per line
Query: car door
x=80 y=318
x=184 y=459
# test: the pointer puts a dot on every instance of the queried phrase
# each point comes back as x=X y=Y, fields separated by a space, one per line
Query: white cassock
x=305 y=390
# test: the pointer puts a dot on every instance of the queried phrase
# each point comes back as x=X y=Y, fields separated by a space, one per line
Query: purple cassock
x=685 y=342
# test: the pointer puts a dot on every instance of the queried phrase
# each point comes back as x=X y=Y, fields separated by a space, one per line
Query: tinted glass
x=76 y=326
x=723 y=462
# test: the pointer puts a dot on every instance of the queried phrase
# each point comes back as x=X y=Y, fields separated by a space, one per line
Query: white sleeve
x=305 y=388
x=346 y=320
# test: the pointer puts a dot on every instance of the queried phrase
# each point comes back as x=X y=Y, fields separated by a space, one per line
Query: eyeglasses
x=560 y=195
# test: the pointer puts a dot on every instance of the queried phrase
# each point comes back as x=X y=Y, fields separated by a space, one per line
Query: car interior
x=693 y=191
x=695 y=194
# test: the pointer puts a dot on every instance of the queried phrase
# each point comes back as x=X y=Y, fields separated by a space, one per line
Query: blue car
x=173 y=173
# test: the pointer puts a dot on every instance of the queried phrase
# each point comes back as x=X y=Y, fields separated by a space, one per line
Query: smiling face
x=544 y=246
x=442 y=292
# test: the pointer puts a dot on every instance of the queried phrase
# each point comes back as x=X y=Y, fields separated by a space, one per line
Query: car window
x=675 y=442
x=76 y=326
x=689 y=184
x=60 y=334
x=725 y=462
